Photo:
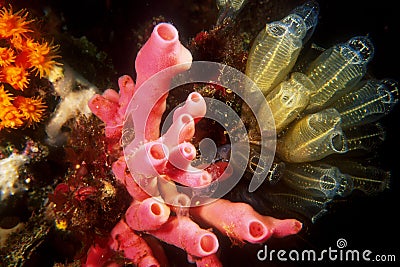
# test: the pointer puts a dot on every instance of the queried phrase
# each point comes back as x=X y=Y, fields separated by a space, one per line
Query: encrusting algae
x=21 y=59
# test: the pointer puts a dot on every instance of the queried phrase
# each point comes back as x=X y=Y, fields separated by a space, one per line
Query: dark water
x=366 y=223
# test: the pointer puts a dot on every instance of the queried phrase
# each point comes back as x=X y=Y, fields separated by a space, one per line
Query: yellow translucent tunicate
x=319 y=180
x=306 y=204
x=367 y=137
x=369 y=102
x=338 y=69
x=275 y=51
x=368 y=179
x=312 y=138
x=234 y=4
x=289 y=98
x=229 y=9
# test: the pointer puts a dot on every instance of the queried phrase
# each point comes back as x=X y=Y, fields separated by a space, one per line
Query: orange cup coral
x=21 y=59
x=18 y=111
x=21 y=55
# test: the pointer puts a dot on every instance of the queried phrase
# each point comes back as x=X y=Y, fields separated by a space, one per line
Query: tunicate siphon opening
x=156 y=209
x=309 y=13
x=388 y=91
x=363 y=47
x=257 y=229
x=9 y=222
x=187 y=150
x=327 y=182
x=195 y=97
x=157 y=151
x=185 y=119
x=276 y=28
x=181 y=200
x=346 y=185
x=208 y=243
x=295 y=25
x=167 y=31
x=338 y=143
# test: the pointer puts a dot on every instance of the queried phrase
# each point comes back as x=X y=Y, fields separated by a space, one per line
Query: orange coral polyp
x=7 y=56
x=5 y=97
x=17 y=42
x=32 y=109
x=16 y=76
x=10 y=117
x=13 y=24
x=40 y=57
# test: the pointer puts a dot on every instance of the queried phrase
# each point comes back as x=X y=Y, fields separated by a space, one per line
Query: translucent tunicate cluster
x=322 y=112
x=371 y=101
x=276 y=48
x=318 y=180
x=289 y=99
x=313 y=137
x=338 y=69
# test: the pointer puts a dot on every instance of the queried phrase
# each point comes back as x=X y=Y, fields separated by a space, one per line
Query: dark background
x=366 y=223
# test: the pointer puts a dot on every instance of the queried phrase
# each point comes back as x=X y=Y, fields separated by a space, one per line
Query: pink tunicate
x=190 y=176
x=148 y=261
x=149 y=214
x=126 y=90
x=98 y=256
x=132 y=245
x=195 y=105
x=187 y=235
x=149 y=159
x=208 y=261
x=107 y=111
x=119 y=169
x=281 y=228
x=237 y=220
x=161 y=51
x=111 y=95
x=182 y=155
x=181 y=130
